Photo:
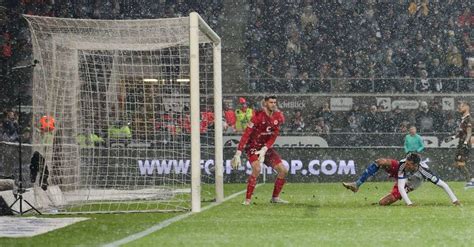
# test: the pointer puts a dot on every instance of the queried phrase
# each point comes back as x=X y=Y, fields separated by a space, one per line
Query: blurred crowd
x=429 y=117
x=169 y=126
x=308 y=46
x=374 y=119
x=15 y=38
x=295 y=46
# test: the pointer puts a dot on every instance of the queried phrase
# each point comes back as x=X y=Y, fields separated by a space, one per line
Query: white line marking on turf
x=167 y=222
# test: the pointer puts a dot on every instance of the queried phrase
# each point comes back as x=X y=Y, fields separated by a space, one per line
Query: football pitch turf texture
x=319 y=214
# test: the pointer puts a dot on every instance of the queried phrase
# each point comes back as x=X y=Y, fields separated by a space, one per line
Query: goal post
x=196 y=23
x=138 y=111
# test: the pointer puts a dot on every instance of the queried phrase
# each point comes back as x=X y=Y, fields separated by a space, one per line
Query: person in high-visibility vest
x=89 y=140
x=120 y=132
x=243 y=115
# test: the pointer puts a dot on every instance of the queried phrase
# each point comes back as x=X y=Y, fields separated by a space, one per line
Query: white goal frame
x=196 y=24
x=197 y=27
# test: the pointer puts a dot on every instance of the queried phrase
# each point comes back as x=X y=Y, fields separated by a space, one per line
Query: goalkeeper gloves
x=236 y=162
x=261 y=154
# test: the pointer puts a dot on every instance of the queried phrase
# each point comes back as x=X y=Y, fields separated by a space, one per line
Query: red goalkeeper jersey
x=262 y=130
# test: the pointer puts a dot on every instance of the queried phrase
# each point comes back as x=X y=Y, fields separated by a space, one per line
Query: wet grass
x=318 y=215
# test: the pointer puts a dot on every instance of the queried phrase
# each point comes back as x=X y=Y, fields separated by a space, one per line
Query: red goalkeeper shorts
x=396 y=193
x=272 y=158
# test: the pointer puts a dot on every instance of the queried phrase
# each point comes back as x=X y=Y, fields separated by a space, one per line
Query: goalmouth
x=137 y=106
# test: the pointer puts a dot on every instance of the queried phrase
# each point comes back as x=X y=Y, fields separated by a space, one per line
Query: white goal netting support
x=137 y=112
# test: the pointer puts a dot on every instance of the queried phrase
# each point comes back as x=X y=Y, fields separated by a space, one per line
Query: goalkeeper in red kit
x=257 y=142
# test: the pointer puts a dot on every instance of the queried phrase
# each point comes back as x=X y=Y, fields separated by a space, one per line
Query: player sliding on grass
x=406 y=169
x=257 y=142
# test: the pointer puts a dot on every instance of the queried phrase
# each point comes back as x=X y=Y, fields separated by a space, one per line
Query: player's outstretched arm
x=468 y=135
x=401 y=188
x=236 y=161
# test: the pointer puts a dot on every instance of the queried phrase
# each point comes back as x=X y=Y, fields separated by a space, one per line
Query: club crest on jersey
x=275 y=122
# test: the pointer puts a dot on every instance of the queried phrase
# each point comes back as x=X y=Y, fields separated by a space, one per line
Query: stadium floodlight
x=121 y=144
x=150 y=80
x=182 y=80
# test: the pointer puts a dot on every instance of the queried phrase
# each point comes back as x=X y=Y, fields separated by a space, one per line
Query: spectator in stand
x=390 y=70
x=230 y=119
x=207 y=120
x=353 y=124
x=10 y=127
x=424 y=83
x=253 y=73
x=454 y=61
x=288 y=84
x=373 y=120
x=297 y=123
x=397 y=118
x=321 y=127
x=471 y=67
x=466 y=20
x=467 y=48
x=168 y=121
x=6 y=52
x=437 y=71
x=323 y=84
x=326 y=114
x=304 y=82
x=408 y=85
x=403 y=128
x=308 y=18
x=438 y=116
x=413 y=142
x=450 y=123
x=357 y=113
x=340 y=85
x=424 y=118
x=386 y=125
x=243 y=115
x=184 y=121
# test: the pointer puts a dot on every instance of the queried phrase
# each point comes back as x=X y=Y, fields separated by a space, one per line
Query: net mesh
x=119 y=94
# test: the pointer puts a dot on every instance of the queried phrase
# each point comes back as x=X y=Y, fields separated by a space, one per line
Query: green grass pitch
x=318 y=215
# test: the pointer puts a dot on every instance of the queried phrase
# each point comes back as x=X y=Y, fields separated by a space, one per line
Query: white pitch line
x=166 y=223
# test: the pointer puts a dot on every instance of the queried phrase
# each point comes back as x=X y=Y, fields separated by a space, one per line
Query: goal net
x=128 y=114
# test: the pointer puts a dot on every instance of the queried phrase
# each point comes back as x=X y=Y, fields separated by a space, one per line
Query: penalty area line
x=167 y=222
